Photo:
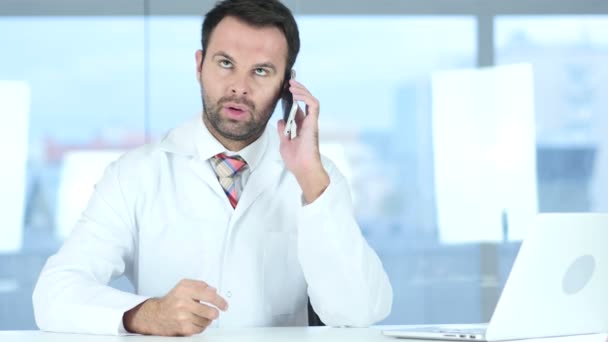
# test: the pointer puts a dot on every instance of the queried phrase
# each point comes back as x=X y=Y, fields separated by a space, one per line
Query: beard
x=237 y=130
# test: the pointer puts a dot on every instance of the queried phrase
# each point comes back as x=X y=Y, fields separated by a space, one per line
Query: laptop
x=558 y=285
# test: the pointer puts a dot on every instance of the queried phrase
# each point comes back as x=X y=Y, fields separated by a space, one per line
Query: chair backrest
x=313 y=318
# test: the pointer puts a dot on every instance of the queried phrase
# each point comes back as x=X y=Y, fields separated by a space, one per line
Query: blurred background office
x=83 y=81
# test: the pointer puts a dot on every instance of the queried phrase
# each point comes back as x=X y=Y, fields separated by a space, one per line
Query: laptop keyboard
x=448 y=330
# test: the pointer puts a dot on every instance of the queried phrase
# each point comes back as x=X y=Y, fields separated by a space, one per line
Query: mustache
x=239 y=100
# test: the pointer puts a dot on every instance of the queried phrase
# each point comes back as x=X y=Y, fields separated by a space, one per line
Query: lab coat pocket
x=280 y=269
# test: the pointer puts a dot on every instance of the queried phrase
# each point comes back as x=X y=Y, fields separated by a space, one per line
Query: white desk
x=211 y=335
x=322 y=334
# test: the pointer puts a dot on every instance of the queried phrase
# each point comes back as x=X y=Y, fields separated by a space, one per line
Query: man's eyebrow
x=223 y=54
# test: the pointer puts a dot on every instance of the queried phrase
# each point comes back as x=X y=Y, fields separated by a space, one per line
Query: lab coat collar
x=193 y=139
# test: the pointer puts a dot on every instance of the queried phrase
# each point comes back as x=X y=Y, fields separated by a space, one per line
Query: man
x=202 y=246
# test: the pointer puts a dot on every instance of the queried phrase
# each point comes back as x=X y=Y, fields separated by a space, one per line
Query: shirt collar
x=194 y=139
x=252 y=153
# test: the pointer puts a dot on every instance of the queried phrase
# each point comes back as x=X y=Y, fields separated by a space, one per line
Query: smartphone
x=287 y=98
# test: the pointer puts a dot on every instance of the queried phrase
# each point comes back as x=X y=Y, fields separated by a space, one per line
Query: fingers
x=300 y=93
x=190 y=324
x=281 y=126
x=212 y=297
x=201 y=291
x=299 y=118
x=180 y=312
x=203 y=312
x=196 y=285
x=202 y=316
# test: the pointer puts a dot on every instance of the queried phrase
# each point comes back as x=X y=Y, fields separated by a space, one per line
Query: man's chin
x=237 y=130
x=236 y=135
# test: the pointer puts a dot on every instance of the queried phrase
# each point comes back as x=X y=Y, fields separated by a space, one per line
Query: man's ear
x=199 y=63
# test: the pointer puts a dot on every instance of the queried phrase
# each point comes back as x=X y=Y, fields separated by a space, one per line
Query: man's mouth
x=236 y=106
x=235 y=110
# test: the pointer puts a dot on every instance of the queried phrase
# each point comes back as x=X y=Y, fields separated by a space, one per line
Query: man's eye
x=261 y=72
x=225 y=63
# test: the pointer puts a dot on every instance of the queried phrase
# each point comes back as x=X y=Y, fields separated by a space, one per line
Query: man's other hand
x=182 y=312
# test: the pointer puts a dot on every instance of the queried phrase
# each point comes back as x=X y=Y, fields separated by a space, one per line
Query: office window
x=77 y=99
x=568 y=55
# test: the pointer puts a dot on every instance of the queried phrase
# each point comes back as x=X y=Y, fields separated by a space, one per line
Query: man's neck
x=229 y=144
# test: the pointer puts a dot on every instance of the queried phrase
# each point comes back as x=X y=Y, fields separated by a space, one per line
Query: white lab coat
x=159 y=215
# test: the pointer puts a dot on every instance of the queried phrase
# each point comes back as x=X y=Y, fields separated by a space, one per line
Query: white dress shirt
x=159 y=215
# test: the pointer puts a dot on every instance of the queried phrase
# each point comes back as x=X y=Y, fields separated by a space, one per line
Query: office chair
x=313 y=318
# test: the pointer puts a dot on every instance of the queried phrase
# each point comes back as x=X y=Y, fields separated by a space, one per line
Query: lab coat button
x=228 y=294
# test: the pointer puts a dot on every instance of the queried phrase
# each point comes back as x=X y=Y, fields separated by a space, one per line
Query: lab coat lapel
x=205 y=172
x=186 y=141
x=262 y=178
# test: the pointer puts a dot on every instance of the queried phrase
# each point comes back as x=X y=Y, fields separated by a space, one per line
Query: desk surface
x=210 y=335
x=250 y=335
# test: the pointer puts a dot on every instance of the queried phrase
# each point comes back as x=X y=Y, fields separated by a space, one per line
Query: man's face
x=241 y=77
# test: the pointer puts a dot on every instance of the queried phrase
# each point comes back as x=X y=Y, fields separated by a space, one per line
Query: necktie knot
x=226 y=167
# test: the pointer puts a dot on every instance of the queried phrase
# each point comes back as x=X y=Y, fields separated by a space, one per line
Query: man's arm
x=72 y=294
x=347 y=284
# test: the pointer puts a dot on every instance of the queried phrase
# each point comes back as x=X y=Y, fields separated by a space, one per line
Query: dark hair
x=258 y=13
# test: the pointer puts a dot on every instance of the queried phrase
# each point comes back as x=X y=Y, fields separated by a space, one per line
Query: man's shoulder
x=177 y=140
x=142 y=158
x=142 y=154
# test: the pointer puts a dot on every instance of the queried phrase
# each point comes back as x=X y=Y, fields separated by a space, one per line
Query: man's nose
x=239 y=86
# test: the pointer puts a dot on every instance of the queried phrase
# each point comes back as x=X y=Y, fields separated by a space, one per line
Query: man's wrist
x=137 y=319
x=313 y=183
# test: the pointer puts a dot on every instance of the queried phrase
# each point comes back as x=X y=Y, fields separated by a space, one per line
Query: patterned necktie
x=226 y=168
